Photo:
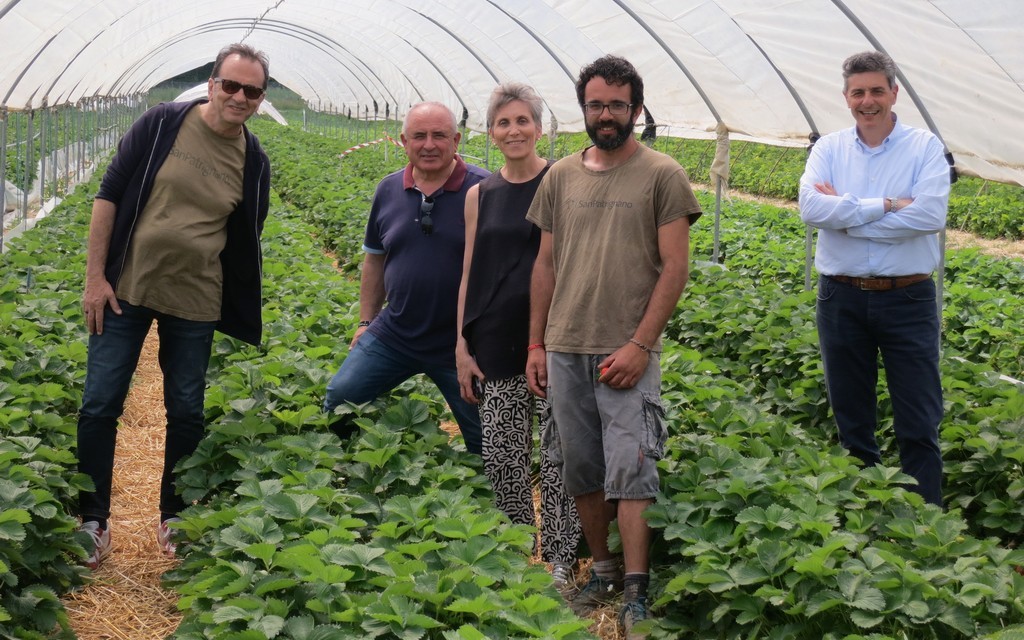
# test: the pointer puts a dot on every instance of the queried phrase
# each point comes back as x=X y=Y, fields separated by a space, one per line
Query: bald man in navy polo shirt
x=409 y=290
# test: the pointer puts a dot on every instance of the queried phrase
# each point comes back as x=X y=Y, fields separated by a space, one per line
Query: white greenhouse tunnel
x=762 y=70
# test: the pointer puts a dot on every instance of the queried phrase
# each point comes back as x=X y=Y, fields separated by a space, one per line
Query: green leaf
x=262 y=551
x=270 y=626
x=478 y=606
x=230 y=614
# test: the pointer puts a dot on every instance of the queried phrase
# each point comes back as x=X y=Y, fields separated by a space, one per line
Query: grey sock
x=634 y=586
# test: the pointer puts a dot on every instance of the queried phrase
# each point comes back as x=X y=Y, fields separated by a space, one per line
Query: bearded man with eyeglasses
x=174 y=237
x=408 y=296
x=613 y=261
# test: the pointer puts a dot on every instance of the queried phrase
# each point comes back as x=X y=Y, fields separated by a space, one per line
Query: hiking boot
x=100 y=543
x=631 y=613
x=564 y=579
x=598 y=592
x=165 y=537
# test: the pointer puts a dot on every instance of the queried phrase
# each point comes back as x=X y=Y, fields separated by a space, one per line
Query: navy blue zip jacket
x=128 y=183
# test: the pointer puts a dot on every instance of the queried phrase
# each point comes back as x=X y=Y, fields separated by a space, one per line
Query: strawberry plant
x=765 y=528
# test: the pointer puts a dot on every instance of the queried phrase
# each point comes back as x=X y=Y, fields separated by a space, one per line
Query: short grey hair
x=507 y=92
x=424 y=105
x=869 y=62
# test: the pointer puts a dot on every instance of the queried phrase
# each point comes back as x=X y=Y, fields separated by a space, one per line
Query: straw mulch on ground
x=125 y=601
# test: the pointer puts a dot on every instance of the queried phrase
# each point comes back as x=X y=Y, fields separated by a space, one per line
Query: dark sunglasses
x=231 y=87
x=426 y=222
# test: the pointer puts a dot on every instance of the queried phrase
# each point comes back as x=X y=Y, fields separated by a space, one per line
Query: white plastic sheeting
x=768 y=70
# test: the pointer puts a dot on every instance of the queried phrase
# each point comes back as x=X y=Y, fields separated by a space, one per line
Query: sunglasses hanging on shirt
x=426 y=222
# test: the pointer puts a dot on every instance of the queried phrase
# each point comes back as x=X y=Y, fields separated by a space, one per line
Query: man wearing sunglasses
x=414 y=242
x=174 y=237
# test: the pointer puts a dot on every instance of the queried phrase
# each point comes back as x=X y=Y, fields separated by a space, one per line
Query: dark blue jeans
x=854 y=326
x=373 y=368
x=113 y=356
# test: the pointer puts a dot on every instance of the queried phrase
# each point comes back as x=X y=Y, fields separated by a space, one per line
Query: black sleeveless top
x=496 y=319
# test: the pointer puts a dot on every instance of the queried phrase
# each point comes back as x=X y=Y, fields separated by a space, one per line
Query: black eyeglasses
x=614 y=108
x=231 y=87
x=426 y=222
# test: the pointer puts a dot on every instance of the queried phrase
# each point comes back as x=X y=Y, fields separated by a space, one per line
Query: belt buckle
x=875 y=284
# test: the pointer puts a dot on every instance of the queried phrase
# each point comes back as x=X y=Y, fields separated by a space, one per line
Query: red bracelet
x=535 y=346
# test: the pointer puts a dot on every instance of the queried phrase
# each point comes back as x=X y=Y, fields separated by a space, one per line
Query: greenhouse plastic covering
x=765 y=70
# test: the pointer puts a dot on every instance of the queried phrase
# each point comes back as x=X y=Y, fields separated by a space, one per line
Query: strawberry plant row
x=989 y=209
x=757 y=384
x=295 y=533
x=292 y=535
x=42 y=365
x=285 y=513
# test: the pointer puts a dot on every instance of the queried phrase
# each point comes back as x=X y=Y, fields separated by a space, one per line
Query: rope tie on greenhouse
x=363 y=145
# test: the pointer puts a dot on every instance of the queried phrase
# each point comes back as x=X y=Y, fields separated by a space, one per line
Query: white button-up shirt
x=856 y=236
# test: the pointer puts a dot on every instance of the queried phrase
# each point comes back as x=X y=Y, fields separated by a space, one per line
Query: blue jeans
x=113 y=356
x=902 y=324
x=373 y=368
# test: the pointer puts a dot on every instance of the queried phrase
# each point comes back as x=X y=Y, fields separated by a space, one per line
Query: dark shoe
x=598 y=592
x=631 y=613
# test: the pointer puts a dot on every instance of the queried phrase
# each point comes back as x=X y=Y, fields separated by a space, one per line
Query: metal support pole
x=17 y=178
x=69 y=139
x=44 y=138
x=718 y=220
x=940 y=280
x=97 y=132
x=29 y=169
x=808 y=256
x=79 y=142
x=3 y=172
x=56 y=150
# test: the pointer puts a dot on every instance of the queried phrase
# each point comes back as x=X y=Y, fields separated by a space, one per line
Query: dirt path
x=125 y=601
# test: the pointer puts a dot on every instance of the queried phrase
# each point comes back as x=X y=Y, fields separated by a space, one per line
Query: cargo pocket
x=550 y=443
x=655 y=432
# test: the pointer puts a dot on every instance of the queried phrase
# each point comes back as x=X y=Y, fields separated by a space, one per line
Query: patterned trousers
x=507 y=409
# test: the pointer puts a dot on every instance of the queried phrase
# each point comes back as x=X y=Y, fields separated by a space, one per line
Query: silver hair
x=507 y=92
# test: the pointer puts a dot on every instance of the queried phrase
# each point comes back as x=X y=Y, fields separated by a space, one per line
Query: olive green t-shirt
x=604 y=227
x=173 y=261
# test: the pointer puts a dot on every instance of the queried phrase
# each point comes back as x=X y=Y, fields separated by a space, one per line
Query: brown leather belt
x=882 y=284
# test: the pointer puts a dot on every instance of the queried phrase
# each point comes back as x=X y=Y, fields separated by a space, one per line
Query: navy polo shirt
x=421 y=272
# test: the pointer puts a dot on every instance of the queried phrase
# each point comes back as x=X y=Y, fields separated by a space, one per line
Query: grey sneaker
x=564 y=579
x=100 y=543
x=598 y=592
x=631 y=613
